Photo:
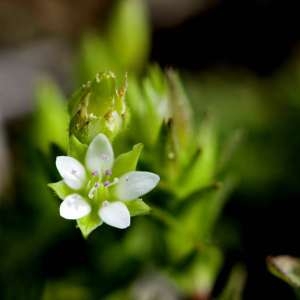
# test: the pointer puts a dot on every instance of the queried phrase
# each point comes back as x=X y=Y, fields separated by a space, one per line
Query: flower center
x=96 y=181
x=95 y=173
x=93 y=190
x=108 y=173
x=106 y=183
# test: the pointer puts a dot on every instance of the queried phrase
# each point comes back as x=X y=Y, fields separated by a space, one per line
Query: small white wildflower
x=86 y=180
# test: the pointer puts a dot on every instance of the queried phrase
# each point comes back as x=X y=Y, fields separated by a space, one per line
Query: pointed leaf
x=235 y=285
x=182 y=116
x=76 y=148
x=127 y=162
x=51 y=118
x=129 y=26
x=199 y=216
x=137 y=207
x=89 y=223
x=201 y=173
x=61 y=189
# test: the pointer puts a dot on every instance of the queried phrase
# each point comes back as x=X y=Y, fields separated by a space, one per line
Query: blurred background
x=239 y=61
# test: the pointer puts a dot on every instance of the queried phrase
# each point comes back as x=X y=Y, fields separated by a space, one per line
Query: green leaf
x=127 y=162
x=235 y=285
x=181 y=112
x=129 y=34
x=286 y=268
x=89 y=223
x=202 y=172
x=61 y=189
x=230 y=148
x=201 y=274
x=51 y=118
x=147 y=116
x=199 y=217
x=94 y=55
x=76 y=148
x=137 y=207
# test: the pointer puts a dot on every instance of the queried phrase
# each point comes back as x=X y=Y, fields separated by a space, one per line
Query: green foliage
x=60 y=189
x=122 y=46
x=76 y=148
x=89 y=223
x=234 y=287
x=199 y=276
x=148 y=102
x=128 y=34
x=184 y=148
x=137 y=207
x=127 y=162
x=50 y=125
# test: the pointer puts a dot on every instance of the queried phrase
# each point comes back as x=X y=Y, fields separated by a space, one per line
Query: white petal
x=71 y=170
x=74 y=207
x=135 y=184
x=115 y=214
x=100 y=155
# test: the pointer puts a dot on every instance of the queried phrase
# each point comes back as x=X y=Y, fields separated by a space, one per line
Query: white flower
x=97 y=173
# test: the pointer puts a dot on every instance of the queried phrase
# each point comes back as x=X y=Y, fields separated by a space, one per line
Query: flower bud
x=98 y=107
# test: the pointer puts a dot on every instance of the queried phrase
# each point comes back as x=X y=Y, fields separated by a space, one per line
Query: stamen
x=105 y=203
x=108 y=183
x=95 y=173
x=93 y=190
x=108 y=172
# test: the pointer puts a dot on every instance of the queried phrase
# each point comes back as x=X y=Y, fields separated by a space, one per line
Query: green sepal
x=127 y=162
x=89 y=223
x=60 y=189
x=76 y=148
x=137 y=207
